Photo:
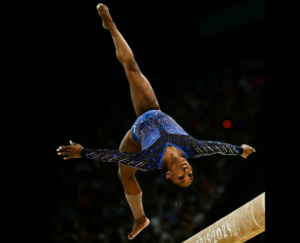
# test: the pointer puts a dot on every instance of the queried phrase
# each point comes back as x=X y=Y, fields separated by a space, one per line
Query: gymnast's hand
x=247 y=151
x=73 y=151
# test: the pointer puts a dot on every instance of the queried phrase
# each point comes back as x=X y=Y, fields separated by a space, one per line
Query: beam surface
x=237 y=227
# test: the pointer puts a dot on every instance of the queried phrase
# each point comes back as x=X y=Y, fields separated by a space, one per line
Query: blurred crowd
x=93 y=207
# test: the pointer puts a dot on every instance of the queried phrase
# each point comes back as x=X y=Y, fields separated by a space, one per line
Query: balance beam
x=238 y=227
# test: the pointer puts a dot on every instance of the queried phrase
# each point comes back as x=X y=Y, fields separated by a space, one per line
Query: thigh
x=128 y=144
x=142 y=93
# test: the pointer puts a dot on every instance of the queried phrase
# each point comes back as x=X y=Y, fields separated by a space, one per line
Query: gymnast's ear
x=168 y=176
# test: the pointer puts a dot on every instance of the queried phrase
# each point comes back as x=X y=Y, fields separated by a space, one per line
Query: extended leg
x=142 y=94
x=132 y=188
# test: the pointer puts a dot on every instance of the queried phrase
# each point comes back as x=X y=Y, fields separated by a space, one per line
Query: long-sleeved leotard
x=156 y=131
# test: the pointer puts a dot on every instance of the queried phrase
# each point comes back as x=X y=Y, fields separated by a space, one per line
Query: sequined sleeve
x=207 y=148
x=138 y=161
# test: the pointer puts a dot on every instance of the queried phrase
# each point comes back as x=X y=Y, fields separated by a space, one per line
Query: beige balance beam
x=237 y=227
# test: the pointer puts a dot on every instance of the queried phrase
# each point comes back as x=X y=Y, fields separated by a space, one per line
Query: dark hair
x=176 y=192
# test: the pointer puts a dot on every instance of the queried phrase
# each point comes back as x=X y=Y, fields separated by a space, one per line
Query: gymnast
x=154 y=142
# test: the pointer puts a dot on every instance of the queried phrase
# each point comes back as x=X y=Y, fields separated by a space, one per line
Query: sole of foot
x=105 y=15
x=138 y=229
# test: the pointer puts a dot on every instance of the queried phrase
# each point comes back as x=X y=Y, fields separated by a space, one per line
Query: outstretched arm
x=75 y=151
x=207 y=148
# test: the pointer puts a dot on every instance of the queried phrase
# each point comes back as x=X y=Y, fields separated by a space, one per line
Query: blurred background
x=206 y=62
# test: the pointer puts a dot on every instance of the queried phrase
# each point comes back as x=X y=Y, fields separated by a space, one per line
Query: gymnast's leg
x=142 y=94
x=132 y=189
x=143 y=99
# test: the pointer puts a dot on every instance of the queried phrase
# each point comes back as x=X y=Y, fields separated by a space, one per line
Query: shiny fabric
x=155 y=131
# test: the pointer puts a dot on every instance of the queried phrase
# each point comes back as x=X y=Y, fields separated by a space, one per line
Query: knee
x=125 y=179
x=132 y=65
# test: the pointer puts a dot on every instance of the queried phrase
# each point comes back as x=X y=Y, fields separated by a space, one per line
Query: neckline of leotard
x=169 y=144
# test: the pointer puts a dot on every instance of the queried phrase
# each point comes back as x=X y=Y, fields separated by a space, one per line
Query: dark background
x=200 y=79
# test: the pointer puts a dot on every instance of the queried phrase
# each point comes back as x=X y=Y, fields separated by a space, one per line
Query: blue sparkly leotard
x=155 y=131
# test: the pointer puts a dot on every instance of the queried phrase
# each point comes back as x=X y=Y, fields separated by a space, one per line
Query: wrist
x=82 y=153
x=242 y=150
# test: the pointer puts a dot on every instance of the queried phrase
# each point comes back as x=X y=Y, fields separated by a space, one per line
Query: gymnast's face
x=181 y=173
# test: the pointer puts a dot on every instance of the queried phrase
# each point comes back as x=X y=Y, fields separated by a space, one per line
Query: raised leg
x=142 y=94
x=131 y=186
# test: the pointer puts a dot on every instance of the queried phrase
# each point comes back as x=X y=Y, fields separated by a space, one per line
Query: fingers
x=64 y=153
x=248 y=152
x=70 y=151
x=252 y=149
x=65 y=147
x=248 y=148
x=64 y=150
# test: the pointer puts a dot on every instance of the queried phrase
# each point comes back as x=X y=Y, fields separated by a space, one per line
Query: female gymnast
x=155 y=141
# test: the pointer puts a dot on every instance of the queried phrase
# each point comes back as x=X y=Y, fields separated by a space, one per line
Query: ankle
x=140 y=220
x=112 y=27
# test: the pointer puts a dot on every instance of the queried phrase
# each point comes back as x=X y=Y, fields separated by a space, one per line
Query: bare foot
x=105 y=15
x=139 y=225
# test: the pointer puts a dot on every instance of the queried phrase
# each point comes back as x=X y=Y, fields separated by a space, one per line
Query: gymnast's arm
x=76 y=151
x=207 y=148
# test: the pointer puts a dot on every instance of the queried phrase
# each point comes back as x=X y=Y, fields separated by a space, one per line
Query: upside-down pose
x=155 y=141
